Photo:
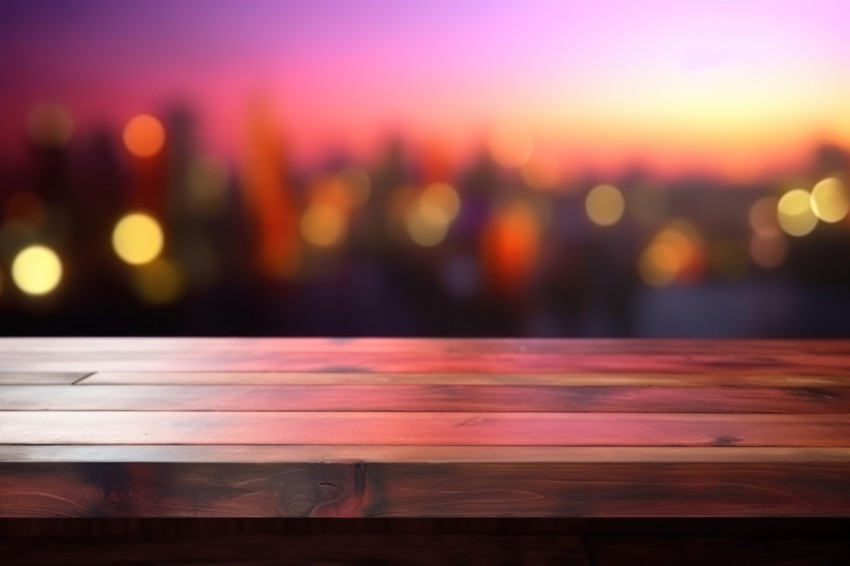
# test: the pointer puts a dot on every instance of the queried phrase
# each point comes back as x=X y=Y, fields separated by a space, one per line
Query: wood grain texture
x=424 y=428
x=423 y=490
x=530 y=429
x=382 y=355
x=40 y=378
x=383 y=454
x=579 y=379
x=436 y=398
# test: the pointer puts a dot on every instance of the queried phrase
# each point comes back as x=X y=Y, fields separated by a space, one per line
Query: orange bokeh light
x=144 y=135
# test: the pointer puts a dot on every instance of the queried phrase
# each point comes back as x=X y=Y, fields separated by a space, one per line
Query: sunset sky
x=733 y=88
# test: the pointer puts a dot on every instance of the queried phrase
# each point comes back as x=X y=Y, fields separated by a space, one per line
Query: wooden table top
x=130 y=427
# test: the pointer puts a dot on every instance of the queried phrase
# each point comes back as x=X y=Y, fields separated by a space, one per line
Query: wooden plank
x=447 y=398
x=427 y=355
x=425 y=428
x=295 y=454
x=40 y=378
x=625 y=379
x=424 y=490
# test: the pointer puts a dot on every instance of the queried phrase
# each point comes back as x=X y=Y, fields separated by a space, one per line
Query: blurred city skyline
x=329 y=168
x=734 y=90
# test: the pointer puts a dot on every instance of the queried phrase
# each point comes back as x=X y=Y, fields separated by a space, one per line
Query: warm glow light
x=144 y=135
x=795 y=214
x=511 y=246
x=511 y=145
x=605 y=205
x=159 y=282
x=762 y=217
x=675 y=254
x=50 y=125
x=443 y=196
x=36 y=270
x=829 y=200
x=323 y=224
x=541 y=171
x=768 y=251
x=427 y=223
x=137 y=239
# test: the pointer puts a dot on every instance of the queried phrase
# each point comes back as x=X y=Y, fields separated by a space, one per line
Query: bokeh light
x=541 y=171
x=605 y=205
x=323 y=224
x=137 y=238
x=442 y=196
x=144 y=135
x=50 y=125
x=829 y=200
x=511 y=145
x=795 y=214
x=768 y=251
x=36 y=270
x=763 y=217
x=427 y=223
x=676 y=253
x=159 y=282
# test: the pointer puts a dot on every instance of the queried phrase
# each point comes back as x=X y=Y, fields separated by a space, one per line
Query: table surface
x=156 y=427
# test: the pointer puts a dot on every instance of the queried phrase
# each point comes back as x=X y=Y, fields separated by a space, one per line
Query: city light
x=763 y=217
x=768 y=251
x=676 y=253
x=427 y=223
x=511 y=145
x=829 y=200
x=323 y=225
x=144 y=135
x=158 y=282
x=795 y=214
x=442 y=196
x=137 y=239
x=36 y=270
x=605 y=205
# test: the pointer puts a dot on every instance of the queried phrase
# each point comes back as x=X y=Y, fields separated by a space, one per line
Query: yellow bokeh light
x=159 y=282
x=443 y=196
x=137 y=239
x=795 y=214
x=605 y=205
x=50 y=125
x=144 y=135
x=36 y=270
x=829 y=200
x=427 y=224
x=323 y=224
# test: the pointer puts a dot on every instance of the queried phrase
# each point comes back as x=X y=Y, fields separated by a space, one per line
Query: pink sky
x=730 y=87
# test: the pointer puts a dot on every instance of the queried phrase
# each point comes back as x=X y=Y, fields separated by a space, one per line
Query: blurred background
x=425 y=168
